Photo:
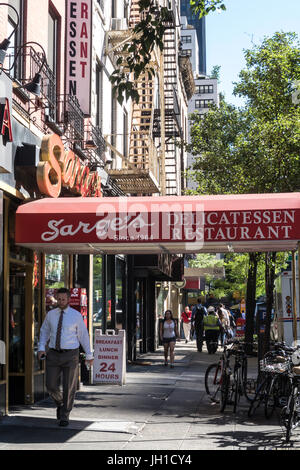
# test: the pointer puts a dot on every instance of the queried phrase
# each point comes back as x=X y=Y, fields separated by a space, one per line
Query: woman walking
x=168 y=335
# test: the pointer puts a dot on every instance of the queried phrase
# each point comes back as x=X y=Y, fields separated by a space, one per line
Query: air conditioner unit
x=119 y=24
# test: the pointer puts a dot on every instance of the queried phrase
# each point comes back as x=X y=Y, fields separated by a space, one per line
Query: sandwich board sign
x=109 y=357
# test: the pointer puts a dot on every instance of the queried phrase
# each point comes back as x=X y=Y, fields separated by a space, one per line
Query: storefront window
x=56 y=271
x=120 y=294
x=56 y=276
x=98 y=310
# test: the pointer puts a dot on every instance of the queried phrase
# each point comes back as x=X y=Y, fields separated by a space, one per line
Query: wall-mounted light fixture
x=6 y=42
x=34 y=84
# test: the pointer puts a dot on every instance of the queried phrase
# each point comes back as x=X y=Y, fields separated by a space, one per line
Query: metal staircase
x=140 y=173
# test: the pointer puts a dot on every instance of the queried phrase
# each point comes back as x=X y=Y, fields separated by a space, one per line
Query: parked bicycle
x=272 y=384
x=290 y=414
x=226 y=384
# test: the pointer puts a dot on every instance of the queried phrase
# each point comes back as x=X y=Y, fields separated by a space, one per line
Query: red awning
x=179 y=224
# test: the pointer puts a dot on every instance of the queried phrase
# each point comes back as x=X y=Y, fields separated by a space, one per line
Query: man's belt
x=63 y=350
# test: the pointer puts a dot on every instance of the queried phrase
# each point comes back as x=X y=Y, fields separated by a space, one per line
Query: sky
x=244 y=23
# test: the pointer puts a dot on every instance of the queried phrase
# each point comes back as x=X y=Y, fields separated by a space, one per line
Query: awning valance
x=180 y=224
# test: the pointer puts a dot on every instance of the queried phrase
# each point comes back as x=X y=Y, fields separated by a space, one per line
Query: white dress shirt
x=74 y=331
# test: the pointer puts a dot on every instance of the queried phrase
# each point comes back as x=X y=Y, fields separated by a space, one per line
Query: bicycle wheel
x=271 y=397
x=224 y=390
x=291 y=414
x=236 y=388
x=259 y=397
x=249 y=385
x=212 y=381
x=290 y=419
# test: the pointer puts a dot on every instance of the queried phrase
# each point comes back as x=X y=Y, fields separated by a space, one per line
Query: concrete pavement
x=158 y=409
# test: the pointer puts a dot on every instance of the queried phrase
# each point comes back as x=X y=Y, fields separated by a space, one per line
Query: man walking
x=65 y=330
x=198 y=313
x=212 y=326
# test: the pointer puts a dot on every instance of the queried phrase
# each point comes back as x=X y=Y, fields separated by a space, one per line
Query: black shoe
x=63 y=423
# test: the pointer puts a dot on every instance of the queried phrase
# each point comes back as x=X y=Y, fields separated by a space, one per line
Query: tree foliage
x=258 y=146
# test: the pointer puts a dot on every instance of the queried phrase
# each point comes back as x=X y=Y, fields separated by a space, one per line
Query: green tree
x=258 y=146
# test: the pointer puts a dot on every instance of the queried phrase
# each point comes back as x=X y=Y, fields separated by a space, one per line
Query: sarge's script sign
x=59 y=168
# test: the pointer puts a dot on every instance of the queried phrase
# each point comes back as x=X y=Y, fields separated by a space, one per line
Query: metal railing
x=22 y=67
x=71 y=117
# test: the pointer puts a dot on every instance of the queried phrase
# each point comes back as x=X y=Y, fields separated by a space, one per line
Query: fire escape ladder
x=171 y=131
x=140 y=172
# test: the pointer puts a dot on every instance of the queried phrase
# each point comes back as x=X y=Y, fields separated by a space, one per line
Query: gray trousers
x=65 y=363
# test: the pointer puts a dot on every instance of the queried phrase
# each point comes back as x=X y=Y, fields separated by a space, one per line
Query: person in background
x=65 y=331
x=168 y=335
x=212 y=327
x=198 y=313
x=225 y=324
x=186 y=318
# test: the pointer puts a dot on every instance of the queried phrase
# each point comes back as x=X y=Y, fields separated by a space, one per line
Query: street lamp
x=5 y=43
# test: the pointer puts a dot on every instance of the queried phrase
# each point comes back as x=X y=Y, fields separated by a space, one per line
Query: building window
x=52 y=42
x=16 y=39
x=203 y=103
x=204 y=89
x=186 y=39
x=186 y=52
x=99 y=95
x=113 y=125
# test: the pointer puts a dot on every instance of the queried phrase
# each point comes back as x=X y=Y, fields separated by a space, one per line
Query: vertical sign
x=78 y=51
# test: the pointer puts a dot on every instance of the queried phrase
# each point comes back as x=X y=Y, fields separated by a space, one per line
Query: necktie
x=58 y=331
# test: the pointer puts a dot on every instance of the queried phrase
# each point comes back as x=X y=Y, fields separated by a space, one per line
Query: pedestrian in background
x=212 y=327
x=168 y=335
x=225 y=324
x=65 y=330
x=186 y=318
x=198 y=313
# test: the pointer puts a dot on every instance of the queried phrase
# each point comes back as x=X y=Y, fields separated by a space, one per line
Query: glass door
x=17 y=308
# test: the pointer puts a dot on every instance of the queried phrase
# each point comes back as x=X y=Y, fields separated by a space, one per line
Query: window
x=186 y=39
x=204 y=89
x=16 y=39
x=52 y=42
x=187 y=52
x=99 y=95
x=113 y=138
x=52 y=70
x=203 y=103
x=125 y=133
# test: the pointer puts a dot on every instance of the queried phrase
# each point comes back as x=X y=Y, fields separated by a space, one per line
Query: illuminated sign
x=59 y=168
x=5 y=121
x=78 y=51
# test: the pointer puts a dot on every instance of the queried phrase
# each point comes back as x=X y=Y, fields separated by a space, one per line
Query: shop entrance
x=18 y=299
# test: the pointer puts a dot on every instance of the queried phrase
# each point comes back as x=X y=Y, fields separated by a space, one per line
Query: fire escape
x=140 y=173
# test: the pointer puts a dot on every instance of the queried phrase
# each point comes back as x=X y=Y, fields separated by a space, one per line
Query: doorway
x=20 y=325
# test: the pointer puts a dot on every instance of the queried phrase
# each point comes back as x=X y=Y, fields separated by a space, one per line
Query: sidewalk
x=158 y=409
